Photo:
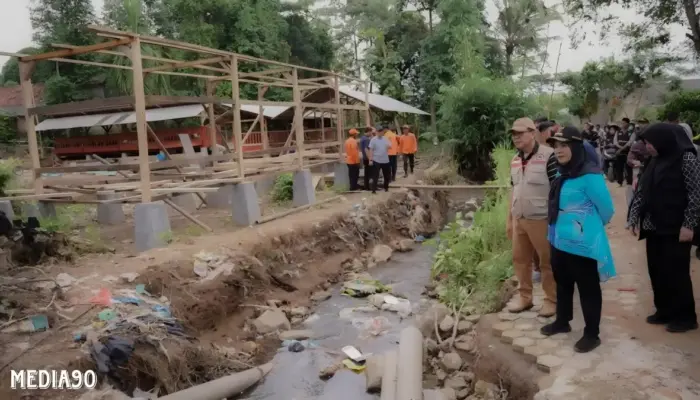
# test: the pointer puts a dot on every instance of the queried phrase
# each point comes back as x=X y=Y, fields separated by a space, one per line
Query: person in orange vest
x=393 y=152
x=408 y=147
x=352 y=159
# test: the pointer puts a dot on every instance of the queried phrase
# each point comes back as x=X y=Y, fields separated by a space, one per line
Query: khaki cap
x=523 y=125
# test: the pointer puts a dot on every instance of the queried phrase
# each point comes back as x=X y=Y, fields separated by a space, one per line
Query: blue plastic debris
x=420 y=238
x=126 y=300
x=162 y=311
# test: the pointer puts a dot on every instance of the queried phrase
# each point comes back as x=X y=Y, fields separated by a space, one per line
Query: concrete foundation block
x=264 y=186
x=221 y=198
x=245 y=208
x=40 y=209
x=341 y=179
x=304 y=192
x=6 y=207
x=186 y=201
x=110 y=213
x=151 y=226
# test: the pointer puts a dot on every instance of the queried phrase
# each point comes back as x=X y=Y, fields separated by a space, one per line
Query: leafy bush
x=473 y=262
x=8 y=177
x=687 y=105
x=475 y=115
x=283 y=189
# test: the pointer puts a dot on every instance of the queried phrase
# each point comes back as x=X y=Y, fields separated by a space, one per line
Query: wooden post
x=368 y=112
x=237 y=136
x=212 y=122
x=25 y=71
x=323 y=130
x=298 y=118
x=263 y=122
x=338 y=115
x=141 y=129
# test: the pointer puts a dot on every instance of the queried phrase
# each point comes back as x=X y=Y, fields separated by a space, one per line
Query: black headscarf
x=579 y=165
x=670 y=142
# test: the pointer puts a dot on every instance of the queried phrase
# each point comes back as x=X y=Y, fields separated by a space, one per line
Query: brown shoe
x=519 y=306
x=548 y=309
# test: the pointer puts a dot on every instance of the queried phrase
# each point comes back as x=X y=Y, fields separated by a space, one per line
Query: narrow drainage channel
x=295 y=375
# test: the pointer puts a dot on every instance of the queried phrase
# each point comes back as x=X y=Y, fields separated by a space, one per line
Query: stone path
x=636 y=361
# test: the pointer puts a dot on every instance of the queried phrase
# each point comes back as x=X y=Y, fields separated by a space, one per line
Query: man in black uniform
x=623 y=142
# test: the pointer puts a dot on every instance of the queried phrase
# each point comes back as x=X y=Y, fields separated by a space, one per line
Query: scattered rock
x=449 y=393
x=321 y=296
x=469 y=216
x=274 y=303
x=483 y=388
x=110 y=279
x=299 y=311
x=464 y=326
x=376 y=300
x=451 y=361
x=312 y=318
x=426 y=320
x=296 y=335
x=405 y=245
x=431 y=346
x=474 y=318
x=296 y=347
x=465 y=343
x=441 y=375
x=270 y=321
x=64 y=280
x=250 y=347
x=381 y=253
x=374 y=369
x=447 y=323
x=462 y=394
x=129 y=277
x=457 y=383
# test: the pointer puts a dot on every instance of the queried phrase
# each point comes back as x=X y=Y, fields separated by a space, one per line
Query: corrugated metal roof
x=118 y=118
x=268 y=111
x=382 y=102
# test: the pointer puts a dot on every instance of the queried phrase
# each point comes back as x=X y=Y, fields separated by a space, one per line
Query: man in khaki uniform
x=527 y=219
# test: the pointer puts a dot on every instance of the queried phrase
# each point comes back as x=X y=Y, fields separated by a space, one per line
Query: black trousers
x=570 y=270
x=408 y=160
x=369 y=173
x=386 y=174
x=623 y=171
x=393 y=160
x=354 y=174
x=669 y=271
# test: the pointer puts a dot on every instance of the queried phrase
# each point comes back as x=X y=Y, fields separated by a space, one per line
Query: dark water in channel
x=295 y=375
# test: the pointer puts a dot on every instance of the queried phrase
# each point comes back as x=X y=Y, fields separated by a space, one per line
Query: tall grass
x=472 y=262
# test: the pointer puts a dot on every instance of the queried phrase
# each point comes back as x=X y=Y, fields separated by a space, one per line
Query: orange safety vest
x=352 y=151
x=394 y=140
x=409 y=144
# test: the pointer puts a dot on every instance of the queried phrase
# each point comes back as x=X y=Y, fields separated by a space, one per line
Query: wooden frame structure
x=146 y=180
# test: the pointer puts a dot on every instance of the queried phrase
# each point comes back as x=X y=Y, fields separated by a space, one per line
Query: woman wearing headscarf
x=579 y=208
x=665 y=211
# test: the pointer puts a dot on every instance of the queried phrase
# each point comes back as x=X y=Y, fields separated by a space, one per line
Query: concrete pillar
x=245 y=208
x=389 y=376
x=151 y=226
x=303 y=190
x=110 y=213
x=186 y=201
x=341 y=179
x=40 y=209
x=409 y=382
x=264 y=186
x=6 y=207
x=221 y=198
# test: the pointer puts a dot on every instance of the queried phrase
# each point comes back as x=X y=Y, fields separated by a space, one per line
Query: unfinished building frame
x=146 y=184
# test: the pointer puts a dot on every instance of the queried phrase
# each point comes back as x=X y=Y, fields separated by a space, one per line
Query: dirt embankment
x=215 y=295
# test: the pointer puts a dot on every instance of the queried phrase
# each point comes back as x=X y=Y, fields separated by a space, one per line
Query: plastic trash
x=162 y=311
x=296 y=347
x=353 y=354
x=141 y=289
x=126 y=300
x=372 y=326
x=353 y=366
x=114 y=353
x=103 y=298
x=107 y=314
x=420 y=238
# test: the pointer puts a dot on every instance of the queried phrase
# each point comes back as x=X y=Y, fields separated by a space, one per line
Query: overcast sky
x=16 y=33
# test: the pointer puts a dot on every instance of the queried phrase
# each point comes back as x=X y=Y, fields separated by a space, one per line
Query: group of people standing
x=378 y=151
x=560 y=205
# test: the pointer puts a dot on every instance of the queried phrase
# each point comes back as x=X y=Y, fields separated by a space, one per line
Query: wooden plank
x=189 y=149
x=105 y=162
x=298 y=118
x=76 y=51
x=187 y=215
x=338 y=115
x=41 y=196
x=25 y=72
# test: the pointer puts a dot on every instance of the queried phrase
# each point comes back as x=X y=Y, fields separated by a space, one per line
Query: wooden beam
x=236 y=94
x=141 y=129
x=338 y=114
x=187 y=215
x=250 y=130
x=76 y=51
x=212 y=122
x=368 y=114
x=332 y=106
x=105 y=162
x=186 y=64
x=263 y=122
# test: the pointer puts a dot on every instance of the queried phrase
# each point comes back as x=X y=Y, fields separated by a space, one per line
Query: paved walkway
x=636 y=361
